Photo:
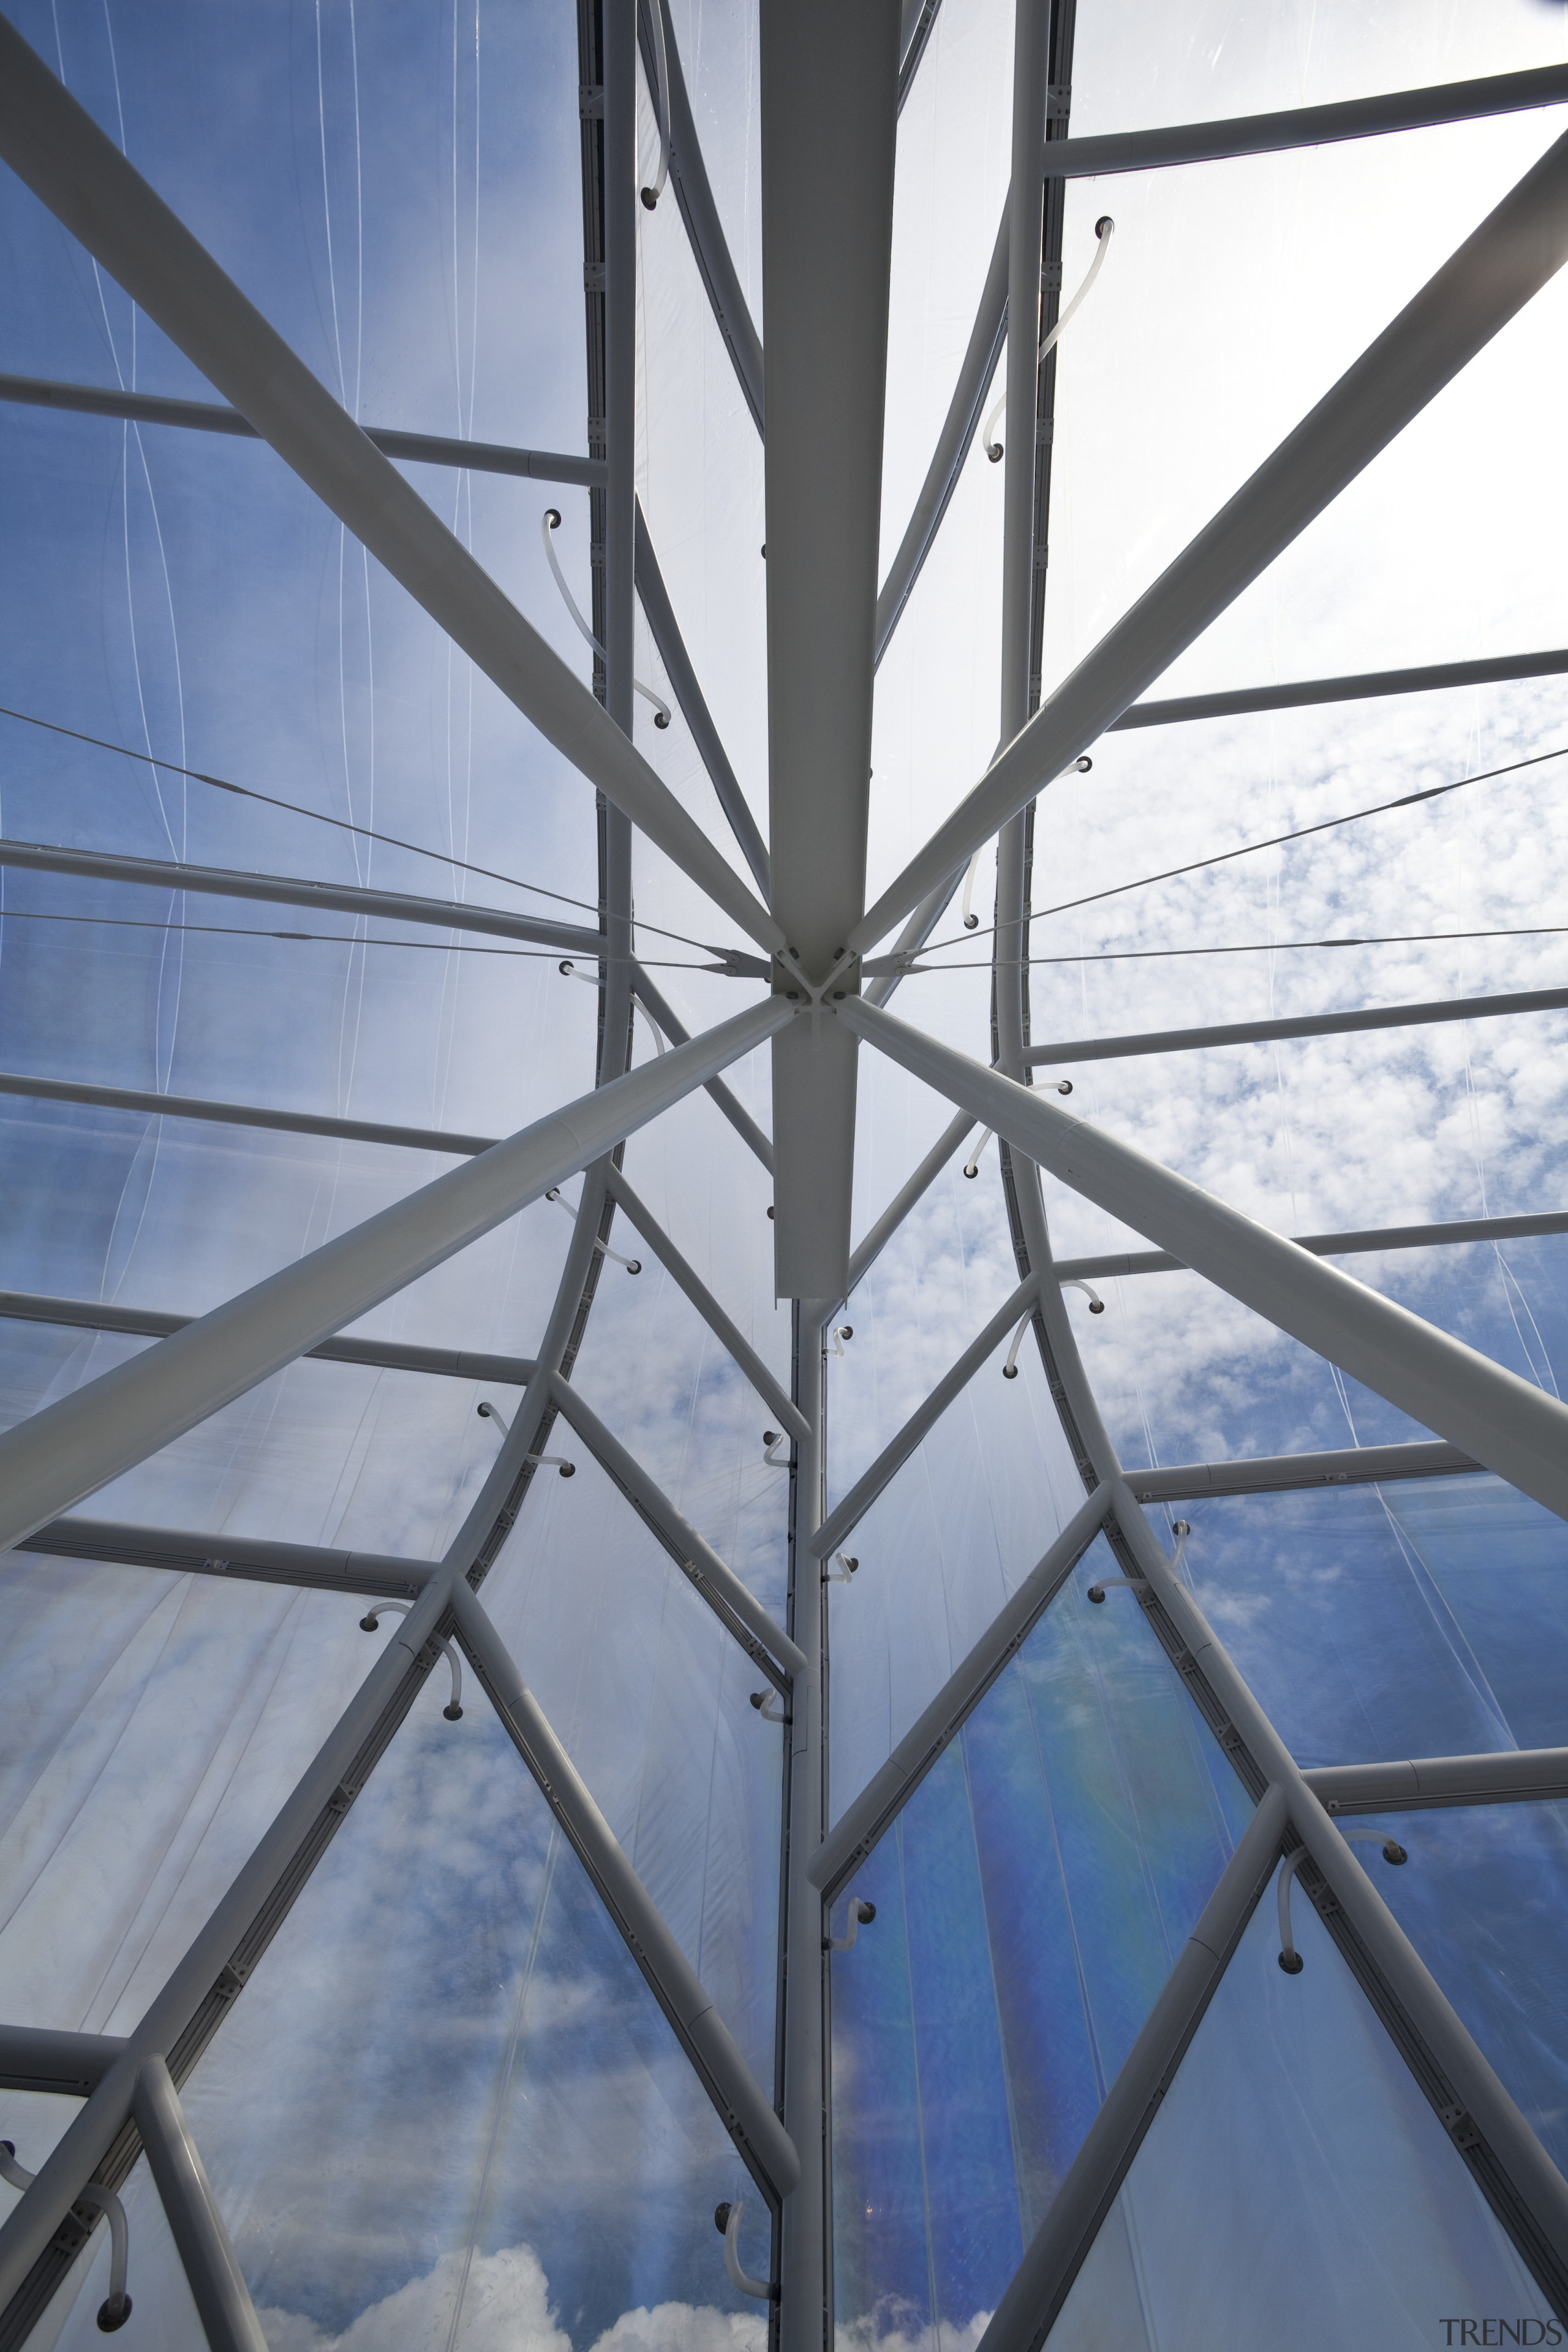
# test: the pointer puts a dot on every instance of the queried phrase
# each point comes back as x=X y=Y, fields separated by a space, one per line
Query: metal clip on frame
x=841 y=1331
x=368 y=1623
x=660 y=96
x=860 y=1914
x=1393 y=1853
x=772 y=1440
x=488 y=1412
x=727 y=2221
x=843 y=1571
x=549 y=526
x=115 y=2309
x=1096 y=1304
x=769 y=1706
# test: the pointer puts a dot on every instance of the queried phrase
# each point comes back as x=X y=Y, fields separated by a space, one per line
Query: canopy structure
x=708 y=718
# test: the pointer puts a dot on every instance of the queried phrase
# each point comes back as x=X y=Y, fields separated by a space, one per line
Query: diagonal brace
x=835 y=1528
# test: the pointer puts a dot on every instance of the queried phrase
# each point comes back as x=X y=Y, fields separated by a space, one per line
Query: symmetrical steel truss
x=827 y=184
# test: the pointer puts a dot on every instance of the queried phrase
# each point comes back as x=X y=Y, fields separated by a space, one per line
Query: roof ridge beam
x=54 y=146
x=1386 y=1237
x=244 y=1559
x=1284 y=1473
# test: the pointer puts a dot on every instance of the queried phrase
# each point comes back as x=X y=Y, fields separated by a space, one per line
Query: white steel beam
x=1518 y=249
x=82 y=1440
x=53 y=145
x=1505 y=1421
x=829 y=89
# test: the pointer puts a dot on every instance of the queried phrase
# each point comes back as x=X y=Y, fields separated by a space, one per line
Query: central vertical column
x=805 y=2308
x=619 y=23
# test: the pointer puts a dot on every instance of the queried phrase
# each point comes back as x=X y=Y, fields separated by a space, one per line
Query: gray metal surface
x=54 y=146
x=81 y=1442
x=1284 y=1473
x=284 y=1122
x=871 y=1815
x=709 y=250
x=251 y=1560
x=1366 y=686
x=686 y=1277
x=829 y=87
x=285 y=891
x=1515 y=251
x=1299 y=1024
x=1309 y=126
x=37 y=2058
x=1370 y=1239
x=217 y=2282
x=1039 y=2286
x=665 y=631
x=806 y=2317
x=756 y=2130
x=209 y=417
x=381 y=1355
x=1514 y=1775
x=736 y=1607
x=1503 y=1421
x=835 y=1528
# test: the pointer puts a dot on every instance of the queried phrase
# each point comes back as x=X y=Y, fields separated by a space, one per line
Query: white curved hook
x=115 y=2308
x=488 y=1412
x=727 y=2221
x=843 y=1572
x=549 y=524
x=1290 y=1960
x=632 y=1264
x=772 y=1440
x=972 y=922
x=660 y=96
x=569 y=970
x=1104 y=229
x=841 y=1331
x=972 y=1165
x=378 y=1609
x=859 y=1911
x=1072 y=1282
x=1010 y=1369
x=769 y=1706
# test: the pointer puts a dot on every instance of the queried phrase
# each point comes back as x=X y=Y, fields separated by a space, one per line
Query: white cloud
x=505 y=2308
x=684 y=2328
x=895 y=2326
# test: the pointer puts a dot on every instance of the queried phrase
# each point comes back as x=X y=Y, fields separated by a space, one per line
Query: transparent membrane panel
x=1421 y=1618
x=495 y=2139
x=150 y=1728
x=1483 y=1899
x=1031 y=1899
x=651 y=1698
x=1295 y=2189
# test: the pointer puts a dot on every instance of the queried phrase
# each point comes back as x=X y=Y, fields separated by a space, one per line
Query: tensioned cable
x=1248 y=947
x=335 y=938
x=1248 y=848
x=341 y=823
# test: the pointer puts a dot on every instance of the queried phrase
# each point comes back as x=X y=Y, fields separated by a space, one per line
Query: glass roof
x=461 y=2088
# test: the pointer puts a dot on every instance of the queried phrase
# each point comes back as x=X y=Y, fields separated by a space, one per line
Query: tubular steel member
x=1038 y=2288
x=1498 y=1419
x=867 y=1819
x=1518 y=249
x=183 y=2015
x=756 y=2130
x=896 y=1452
x=50 y=1461
x=217 y=2283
